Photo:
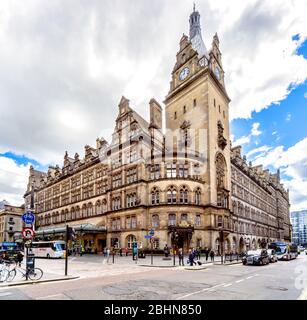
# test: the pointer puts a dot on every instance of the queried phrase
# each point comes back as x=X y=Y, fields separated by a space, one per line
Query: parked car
x=272 y=255
x=300 y=249
x=256 y=257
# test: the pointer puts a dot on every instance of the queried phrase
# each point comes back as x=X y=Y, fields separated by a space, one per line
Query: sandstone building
x=11 y=223
x=187 y=183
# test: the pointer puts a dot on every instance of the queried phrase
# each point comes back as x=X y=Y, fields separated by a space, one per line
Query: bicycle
x=5 y=269
x=33 y=274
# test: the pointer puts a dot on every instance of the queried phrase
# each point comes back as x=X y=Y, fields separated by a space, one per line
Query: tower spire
x=195 y=33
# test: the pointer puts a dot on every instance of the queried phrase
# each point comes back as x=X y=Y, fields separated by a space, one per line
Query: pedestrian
x=212 y=255
x=104 y=252
x=19 y=258
x=207 y=253
x=121 y=252
x=191 y=258
x=166 y=251
x=198 y=253
x=126 y=251
x=180 y=255
x=108 y=255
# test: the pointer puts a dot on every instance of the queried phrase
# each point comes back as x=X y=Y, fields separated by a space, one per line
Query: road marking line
x=238 y=281
x=203 y=290
x=249 y=277
x=51 y=296
x=227 y=285
x=5 y=294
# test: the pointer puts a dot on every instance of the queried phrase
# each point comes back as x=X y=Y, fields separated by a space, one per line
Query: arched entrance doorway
x=241 y=245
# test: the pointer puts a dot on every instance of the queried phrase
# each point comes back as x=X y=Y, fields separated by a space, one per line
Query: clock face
x=184 y=73
x=218 y=73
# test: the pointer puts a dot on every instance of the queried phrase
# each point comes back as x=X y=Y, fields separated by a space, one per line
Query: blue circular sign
x=28 y=218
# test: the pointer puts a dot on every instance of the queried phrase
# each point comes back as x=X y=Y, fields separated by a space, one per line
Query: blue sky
x=283 y=123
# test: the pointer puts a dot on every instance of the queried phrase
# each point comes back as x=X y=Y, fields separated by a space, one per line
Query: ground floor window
x=156 y=244
x=130 y=239
x=114 y=242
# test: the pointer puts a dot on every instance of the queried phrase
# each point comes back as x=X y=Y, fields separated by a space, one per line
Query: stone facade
x=187 y=182
x=10 y=223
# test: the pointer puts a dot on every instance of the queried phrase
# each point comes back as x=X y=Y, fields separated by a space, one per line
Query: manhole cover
x=278 y=288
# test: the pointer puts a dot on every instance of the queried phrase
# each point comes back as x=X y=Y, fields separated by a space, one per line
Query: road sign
x=27 y=233
x=28 y=218
x=152 y=232
x=148 y=237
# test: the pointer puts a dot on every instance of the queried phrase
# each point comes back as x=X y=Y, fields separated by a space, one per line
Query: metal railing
x=232 y=257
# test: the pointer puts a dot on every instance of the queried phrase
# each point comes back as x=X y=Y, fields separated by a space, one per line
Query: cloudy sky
x=64 y=65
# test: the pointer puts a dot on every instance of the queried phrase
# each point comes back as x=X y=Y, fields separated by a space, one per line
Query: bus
x=284 y=251
x=49 y=249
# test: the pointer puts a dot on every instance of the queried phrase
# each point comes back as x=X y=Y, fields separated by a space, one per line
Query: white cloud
x=57 y=54
x=241 y=141
x=258 y=151
x=305 y=95
x=255 y=129
x=13 y=180
x=293 y=164
x=247 y=139
x=288 y=118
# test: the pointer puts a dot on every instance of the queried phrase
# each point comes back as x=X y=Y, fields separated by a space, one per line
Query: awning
x=87 y=228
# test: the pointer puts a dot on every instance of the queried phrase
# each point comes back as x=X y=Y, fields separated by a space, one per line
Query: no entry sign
x=27 y=233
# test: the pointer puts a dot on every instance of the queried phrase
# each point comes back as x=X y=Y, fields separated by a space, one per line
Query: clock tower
x=197 y=109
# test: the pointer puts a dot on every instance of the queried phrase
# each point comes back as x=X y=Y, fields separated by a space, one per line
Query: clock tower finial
x=195 y=34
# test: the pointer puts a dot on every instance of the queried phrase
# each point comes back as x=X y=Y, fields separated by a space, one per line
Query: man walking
x=108 y=255
x=180 y=255
x=207 y=253
x=198 y=253
x=191 y=258
x=212 y=255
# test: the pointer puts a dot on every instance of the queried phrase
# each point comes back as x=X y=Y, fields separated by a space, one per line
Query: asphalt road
x=282 y=280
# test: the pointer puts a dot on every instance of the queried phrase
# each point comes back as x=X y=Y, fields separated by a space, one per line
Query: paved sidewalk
x=91 y=266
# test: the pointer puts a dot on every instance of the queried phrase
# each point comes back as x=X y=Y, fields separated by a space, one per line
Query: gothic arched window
x=184 y=195
x=155 y=196
x=198 y=196
x=172 y=195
